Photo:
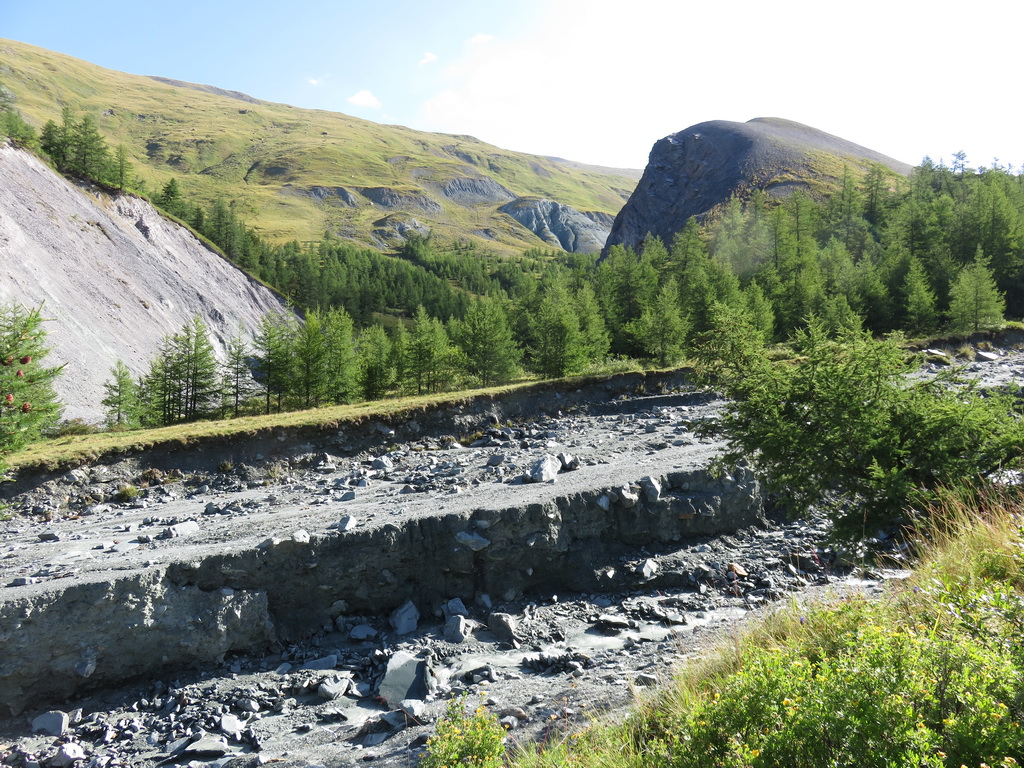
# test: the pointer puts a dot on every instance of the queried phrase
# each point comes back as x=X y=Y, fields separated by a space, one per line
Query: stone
x=738 y=569
x=415 y=710
x=68 y=755
x=455 y=607
x=988 y=357
x=627 y=496
x=404 y=678
x=646 y=679
x=383 y=463
x=503 y=625
x=604 y=502
x=456 y=629
x=347 y=523
x=334 y=688
x=405 y=618
x=496 y=459
x=54 y=723
x=48 y=536
x=230 y=725
x=188 y=528
x=569 y=462
x=648 y=569
x=545 y=469
x=347 y=496
x=472 y=540
x=207 y=745
x=362 y=632
x=300 y=537
x=651 y=487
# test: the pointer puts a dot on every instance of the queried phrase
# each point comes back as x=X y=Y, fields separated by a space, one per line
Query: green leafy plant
x=844 y=424
x=466 y=739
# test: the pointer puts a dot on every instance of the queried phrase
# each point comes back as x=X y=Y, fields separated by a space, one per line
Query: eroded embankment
x=60 y=640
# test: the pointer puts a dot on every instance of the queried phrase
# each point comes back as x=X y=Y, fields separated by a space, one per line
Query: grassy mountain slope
x=297 y=172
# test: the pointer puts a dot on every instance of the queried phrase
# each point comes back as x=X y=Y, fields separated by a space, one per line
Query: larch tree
x=974 y=301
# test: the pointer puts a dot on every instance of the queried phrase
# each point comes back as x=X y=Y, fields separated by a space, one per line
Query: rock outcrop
x=558 y=225
x=691 y=172
x=113 y=276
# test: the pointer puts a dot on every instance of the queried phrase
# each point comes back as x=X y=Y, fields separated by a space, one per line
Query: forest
x=938 y=252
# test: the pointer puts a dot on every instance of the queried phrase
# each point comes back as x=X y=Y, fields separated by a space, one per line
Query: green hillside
x=295 y=173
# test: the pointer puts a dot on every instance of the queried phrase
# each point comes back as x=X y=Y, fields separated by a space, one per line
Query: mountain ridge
x=696 y=170
x=268 y=157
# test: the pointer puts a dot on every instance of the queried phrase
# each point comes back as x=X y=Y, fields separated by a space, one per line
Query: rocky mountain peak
x=693 y=171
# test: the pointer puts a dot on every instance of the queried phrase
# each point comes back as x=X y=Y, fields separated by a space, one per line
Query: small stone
x=496 y=459
x=231 y=725
x=207 y=745
x=301 y=537
x=415 y=710
x=545 y=469
x=48 y=536
x=646 y=679
x=405 y=618
x=651 y=487
x=67 y=755
x=347 y=496
x=347 y=523
x=383 y=463
x=738 y=569
x=362 y=632
x=569 y=462
x=455 y=607
x=456 y=629
x=627 y=496
x=472 y=540
x=334 y=688
x=187 y=528
x=54 y=723
x=648 y=568
x=503 y=625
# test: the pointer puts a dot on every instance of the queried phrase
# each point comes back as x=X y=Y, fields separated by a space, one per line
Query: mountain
x=692 y=172
x=113 y=276
x=295 y=173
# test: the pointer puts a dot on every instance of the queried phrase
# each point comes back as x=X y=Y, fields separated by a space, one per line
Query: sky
x=596 y=81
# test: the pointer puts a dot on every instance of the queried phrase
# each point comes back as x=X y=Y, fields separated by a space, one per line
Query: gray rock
x=651 y=487
x=456 y=629
x=207 y=745
x=404 y=678
x=496 y=459
x=54 y=723
x=347 y=523
x=559 y=225
x=455 y=607
x=188 y=528
x=569 y=462
x=627 y=496
x=68 y=755
x=334 y=688
x=383 y=463
x=648 y=569
x=230 y=725
x=545 y=469
x=362 y=632
x=646 y=679
x=405 y=618
x=472 y=540
x=503 y=625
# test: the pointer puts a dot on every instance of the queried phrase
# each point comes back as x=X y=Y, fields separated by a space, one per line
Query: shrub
x=843 y=424
x=476 y=739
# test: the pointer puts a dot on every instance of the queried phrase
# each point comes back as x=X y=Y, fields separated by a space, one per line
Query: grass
x=77 y=449
x=263 y=155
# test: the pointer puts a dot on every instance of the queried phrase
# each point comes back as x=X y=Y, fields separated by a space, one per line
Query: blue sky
x=596 y=81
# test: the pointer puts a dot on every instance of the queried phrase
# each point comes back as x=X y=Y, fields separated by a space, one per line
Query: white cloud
x=365 y=99
x=313 y=81
x=479 y=39
x=428 y=58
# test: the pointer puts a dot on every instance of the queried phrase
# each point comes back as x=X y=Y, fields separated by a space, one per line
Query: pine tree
x=558 y=348
x=974 y=301
x=594 y=336
x=428 y=353
x=341 y=364
x=237 y=383
x=919 y=301
x=309 y=361
x=485 y=338
x=121 y=399
x=273 y=346
x=28 y=403
x=660 y=329
x=88 y=156
x=376 y=369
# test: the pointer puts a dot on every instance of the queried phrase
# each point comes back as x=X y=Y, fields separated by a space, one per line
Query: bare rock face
x=691 y=172
x=113 y=276
x=561 y=226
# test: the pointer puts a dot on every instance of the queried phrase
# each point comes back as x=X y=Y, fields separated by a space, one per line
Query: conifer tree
x=28 y=403
x=273 y=346
x=376 y=368
x=428 y=353
x=237 y=383
x=121 y=398
x=485 y=338
x=558 y=348
x=660 y=329
x=919 y=301
x=309 y=361
x=594 y=336
x=342 y=368
x=974 y=301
